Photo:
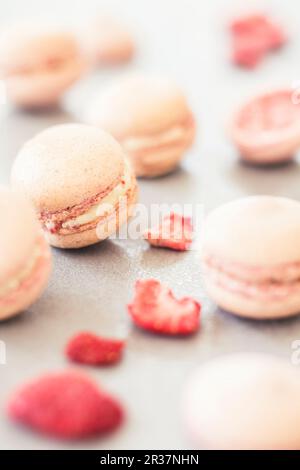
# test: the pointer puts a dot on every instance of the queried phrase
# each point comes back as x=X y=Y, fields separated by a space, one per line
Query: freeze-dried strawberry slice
x=253 y=37
x=248 y=51
x=261 y=27
x=155 y=308
x=88 y=348
x=174 y=232
x=67 y=405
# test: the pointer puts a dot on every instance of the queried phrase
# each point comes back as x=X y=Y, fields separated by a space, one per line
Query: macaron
x=80 y=182
x=38 y=64
x=266 y=129
x=150 y=117
x=243 y=401
x=24 y=253
x=107 y=41
x=250 y=251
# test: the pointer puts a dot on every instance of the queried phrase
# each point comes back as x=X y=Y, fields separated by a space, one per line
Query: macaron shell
x=31 y=288
x=137 y=105
x=253 y=307
x=266 y=129
x=94 y=234
x=67 y=164
x=160 y=160
x=254 y=231
x=19 y=232
x=269 y=155
x=243 y=401
x=107 y=42
x=148 y=168
x=43 y=88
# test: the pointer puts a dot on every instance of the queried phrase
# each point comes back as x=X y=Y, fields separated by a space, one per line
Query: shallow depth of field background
x=186 y=40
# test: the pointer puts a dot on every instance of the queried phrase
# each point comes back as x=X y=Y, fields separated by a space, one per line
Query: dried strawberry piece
x=259 y=26
x=253 y=37
x=66 y=405
x=174 y=232
x=248 y=51
x=155 y=308
x=87 y=348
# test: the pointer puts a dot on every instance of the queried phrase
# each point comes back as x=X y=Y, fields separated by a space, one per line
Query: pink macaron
x=243 y=401
x=25 y=255
x=266 y=129
x=107 y=42
x=251 y=256
x=81 y=184
x=150 y=117
x=38 y=64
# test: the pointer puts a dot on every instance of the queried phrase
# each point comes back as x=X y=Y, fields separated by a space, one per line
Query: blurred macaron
x=243 y=401
x=25 y=255
x=266 y=129
x=106 y=41
x=150 y=117
x=38 y=64
x=250 y=252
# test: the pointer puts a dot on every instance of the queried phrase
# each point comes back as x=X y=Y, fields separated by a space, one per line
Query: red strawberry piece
x=249 y=24
x=276 y=36
x=155 y=308
x=259 y=26
x=174 y=232
x=248 y=51
x=66 y=405
x=253 y=37
x=88 y=348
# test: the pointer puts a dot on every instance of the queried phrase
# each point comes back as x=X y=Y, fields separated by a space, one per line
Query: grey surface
x=90 y=288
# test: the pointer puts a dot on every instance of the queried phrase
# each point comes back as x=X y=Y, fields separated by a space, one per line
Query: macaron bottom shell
x=30 y=288
x=161 y=159
x=252 y=307
x=272 y=154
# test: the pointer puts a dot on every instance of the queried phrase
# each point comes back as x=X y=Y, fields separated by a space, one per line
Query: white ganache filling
x=23 y=274
x=106 y=205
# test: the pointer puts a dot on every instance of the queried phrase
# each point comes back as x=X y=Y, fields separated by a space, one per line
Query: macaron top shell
x=139 y=105
x=107 y=41
x=244 y=401
x=66 y=165
x=27 y=47
x=258 y=230
x=19 y=232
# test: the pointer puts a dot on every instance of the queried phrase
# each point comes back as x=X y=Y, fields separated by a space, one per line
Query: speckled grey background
x=89 y=288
